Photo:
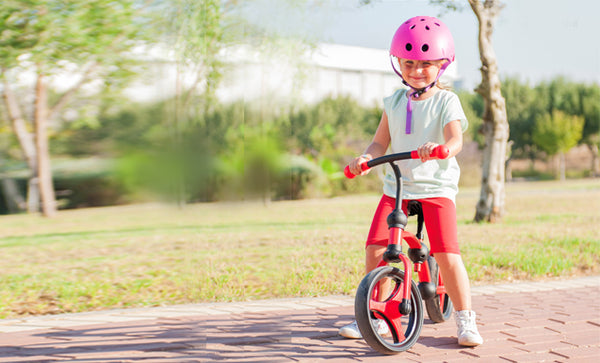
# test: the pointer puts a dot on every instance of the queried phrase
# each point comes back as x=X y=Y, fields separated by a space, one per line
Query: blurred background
x=118 y=102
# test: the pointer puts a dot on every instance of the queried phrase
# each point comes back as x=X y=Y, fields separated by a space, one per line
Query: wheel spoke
x=389 y=311
x=379 y=297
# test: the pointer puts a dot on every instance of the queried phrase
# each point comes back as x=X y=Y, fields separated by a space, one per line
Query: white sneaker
x=351 y=330
x=468 y=335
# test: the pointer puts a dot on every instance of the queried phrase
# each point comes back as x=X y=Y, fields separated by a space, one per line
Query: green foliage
x=233 y=151
x=525 y=105
x=53 y=34
x=590 y=110
x=572 y=99
x=329 y=125
x=92 y=191
x=113 y=133
x=240 y=151
x=522 y=106
x=196 y=32
x=49 y=39
x=557 y=132
x=472 y=104
x=255 y=160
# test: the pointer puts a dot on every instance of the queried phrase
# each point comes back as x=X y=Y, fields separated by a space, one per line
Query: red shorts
x=440 y=222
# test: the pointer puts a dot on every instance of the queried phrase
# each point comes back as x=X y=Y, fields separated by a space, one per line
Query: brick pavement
x=527 y=322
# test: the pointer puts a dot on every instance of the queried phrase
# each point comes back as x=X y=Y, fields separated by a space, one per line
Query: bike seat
x=414 y=208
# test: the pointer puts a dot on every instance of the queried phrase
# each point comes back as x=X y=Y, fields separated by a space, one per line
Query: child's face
x=419 y=73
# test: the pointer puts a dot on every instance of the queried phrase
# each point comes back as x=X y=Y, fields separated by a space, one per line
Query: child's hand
x=425 y=151
x=355 y=165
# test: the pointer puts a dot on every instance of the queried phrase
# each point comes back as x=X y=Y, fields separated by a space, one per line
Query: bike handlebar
x=439 y=152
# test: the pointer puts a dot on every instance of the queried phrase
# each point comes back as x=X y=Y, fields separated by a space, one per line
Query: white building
x=329 y=70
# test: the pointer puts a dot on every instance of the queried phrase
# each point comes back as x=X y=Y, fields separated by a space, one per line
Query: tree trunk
x=507 y=165
x=562 y=166
x=14 y=201
x=595 y=165
x=46 y=187
x=490 y=206
x=27 y=143
x=508 y=171
x=35 y=145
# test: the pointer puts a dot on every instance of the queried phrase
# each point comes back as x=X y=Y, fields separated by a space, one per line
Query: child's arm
x=377 y=148
x=454 y=141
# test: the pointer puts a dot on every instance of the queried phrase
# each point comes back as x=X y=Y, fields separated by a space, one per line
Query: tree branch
x=19 y=123
x=62 y=101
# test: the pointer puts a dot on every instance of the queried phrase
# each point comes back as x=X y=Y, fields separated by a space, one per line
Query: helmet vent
x=422 y=38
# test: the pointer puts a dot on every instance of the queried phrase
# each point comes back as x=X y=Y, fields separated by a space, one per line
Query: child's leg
x=377 y=240
x=456 y=279
x=373 y=255
x=375 y=248
x=457 y=286
x=440 y=220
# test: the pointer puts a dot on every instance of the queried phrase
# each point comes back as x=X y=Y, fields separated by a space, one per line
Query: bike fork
x=394 y=254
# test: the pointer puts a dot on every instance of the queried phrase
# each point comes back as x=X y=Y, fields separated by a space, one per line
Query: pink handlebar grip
x=349 y=174
x=440 y=152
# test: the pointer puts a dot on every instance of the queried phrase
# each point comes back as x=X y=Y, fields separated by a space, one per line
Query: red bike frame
x=398 y=304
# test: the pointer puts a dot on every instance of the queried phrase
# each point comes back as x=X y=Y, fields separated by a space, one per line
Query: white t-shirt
x=433 y=178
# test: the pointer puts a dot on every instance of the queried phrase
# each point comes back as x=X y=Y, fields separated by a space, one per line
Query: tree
x=556 y=133
x=573 y=99
x=590 y=109
x=195 y=31
x=490 y=206
x=522 y=106
x=202 y=33
x=48 y=39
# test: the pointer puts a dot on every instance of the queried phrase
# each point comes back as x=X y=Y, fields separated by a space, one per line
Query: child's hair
x=442 y=84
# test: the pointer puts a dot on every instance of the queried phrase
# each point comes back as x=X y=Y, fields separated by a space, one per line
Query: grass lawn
x=151 y=255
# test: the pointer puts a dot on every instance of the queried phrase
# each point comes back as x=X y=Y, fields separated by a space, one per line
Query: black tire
x=410 y=324
x=439 y=308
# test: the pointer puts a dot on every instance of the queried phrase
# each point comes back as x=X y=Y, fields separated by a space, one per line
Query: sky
x=534 y=40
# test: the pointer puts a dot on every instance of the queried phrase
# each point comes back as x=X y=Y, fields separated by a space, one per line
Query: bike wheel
x=382 y=301
x=439 y=308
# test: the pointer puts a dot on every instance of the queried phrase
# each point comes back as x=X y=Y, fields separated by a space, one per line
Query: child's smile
x=419 y=74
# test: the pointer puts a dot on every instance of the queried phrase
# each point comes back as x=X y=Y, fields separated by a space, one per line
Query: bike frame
x=388 y=293
x=417 y=253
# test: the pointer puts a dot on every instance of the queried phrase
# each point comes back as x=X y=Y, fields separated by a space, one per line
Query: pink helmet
x=423 y=38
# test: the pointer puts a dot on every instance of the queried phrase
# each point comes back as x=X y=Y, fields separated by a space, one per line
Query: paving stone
x=517 y=322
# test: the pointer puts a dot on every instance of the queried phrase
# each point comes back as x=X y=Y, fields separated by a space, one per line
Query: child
x=421 y=118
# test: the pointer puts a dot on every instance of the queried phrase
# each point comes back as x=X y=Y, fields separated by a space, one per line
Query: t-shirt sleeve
x=454 y=111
